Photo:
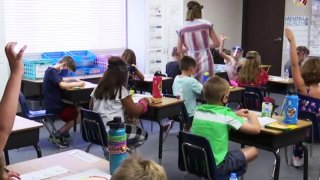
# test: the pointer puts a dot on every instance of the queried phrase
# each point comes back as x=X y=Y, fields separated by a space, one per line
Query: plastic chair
x=252 y=98
x=39 y=115
x=196 y=157
x=94 y=131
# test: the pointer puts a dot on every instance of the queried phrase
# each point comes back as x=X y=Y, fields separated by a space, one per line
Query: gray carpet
x=260 y=169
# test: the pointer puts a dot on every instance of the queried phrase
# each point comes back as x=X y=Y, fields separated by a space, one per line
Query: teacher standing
x=194 y=38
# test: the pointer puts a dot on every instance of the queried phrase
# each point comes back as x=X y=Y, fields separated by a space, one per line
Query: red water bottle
x=157 y=88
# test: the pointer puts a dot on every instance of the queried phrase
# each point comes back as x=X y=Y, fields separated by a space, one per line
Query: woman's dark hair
x=113 y=79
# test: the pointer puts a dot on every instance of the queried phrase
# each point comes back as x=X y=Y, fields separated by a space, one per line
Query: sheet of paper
x=265 y=120
x=276 y=78
x=44 y=173
x=136 y=97
x=83 y=156
x=89 y=174
x=90 y=85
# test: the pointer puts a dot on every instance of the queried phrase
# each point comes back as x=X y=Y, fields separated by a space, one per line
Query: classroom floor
x=260 y=169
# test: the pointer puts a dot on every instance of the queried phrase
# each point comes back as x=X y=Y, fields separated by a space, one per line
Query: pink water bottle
x=157 y=88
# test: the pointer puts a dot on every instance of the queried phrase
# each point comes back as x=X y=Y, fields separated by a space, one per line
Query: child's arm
x=9 y=101
x=197 y=87
x=136 y=109
x=295 y=69
x=222 y=53
x=138 y=73
x=69 y=85
x=252 y=125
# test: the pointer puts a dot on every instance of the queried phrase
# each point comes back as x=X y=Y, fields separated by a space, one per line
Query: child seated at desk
x=251 y=74
x=53 y=84
x=214 y=120
x=130 y=58
x=111 y=98
x=135 y=168
x=307 y=81
x=172 y=67
x=187 y=88
x=9 y=103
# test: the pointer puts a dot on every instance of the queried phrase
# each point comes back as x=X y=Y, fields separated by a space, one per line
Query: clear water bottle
x=117 y=143
x=286 y=74
x=233 y=176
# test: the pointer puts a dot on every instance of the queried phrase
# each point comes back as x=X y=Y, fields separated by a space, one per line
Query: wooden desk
x=77 y=95
x=272 y=140
x=234 y=96
x=65 y=160
x=277 y=84
x=156 y=112
x=24 y=133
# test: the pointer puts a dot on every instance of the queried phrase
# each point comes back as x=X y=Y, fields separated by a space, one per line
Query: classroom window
x=62 y=25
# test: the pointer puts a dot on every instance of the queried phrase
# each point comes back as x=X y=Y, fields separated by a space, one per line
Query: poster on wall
x=300 y=27
x=314 y=41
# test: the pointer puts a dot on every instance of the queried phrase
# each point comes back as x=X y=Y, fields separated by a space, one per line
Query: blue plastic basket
x=35 y=68
x=83 y=58
x=79 y=72
x=55 y=56
x=94 y=70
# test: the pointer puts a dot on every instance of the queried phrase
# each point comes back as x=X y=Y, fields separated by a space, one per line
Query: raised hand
x=15 y=59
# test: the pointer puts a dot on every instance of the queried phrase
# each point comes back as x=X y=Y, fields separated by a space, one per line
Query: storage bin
x=83 y=58
x=94 y=70
x=55 y=56
x=79 y=72
x=35 y=68
x=102 y=60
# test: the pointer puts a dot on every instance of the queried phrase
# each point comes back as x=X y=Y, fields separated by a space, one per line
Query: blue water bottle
x=205 y=77
x=117 y=143
x=233 y=176
x=291 y=109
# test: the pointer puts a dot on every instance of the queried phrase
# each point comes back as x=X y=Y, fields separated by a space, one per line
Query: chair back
x=23 y=104
x=314 y=130
x=93 y=129
x=309 y=108
x=184 y=111
x=195 y=156
x=224 y=75
x=252 y=98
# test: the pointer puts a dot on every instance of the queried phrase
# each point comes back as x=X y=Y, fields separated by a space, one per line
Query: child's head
x=310 y=71
x=129 y=57
x=194 y=11
x=249 y=71
x=216 y=90
x=302 y=53
x=175 y=55
x=113 y=79
x=237 y=52
x=188 y=65
x=135 y=168
x=68 y=63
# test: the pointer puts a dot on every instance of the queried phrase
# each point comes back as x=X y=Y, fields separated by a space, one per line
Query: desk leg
x=277 y=166
x=160 y=141
x=305 y=163
x=6 y=156
x=75 y=104
x=39 y=154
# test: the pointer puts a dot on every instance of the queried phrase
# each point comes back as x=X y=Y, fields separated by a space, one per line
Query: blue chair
x=40 y=116
x=196 y=157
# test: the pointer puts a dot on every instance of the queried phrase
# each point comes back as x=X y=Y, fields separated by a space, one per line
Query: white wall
x=136 y=30
x=226 y=16
x=292 y=10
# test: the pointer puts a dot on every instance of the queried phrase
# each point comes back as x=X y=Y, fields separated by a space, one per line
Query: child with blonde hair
x=135 y=168
x=251 y=73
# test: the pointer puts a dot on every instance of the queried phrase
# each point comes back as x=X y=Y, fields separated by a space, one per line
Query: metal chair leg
x=286 y=154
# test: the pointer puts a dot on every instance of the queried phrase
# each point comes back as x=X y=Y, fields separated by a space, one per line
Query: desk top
x=92 y=76
x=235 y=89
x=22 y=124
x=301 y=124
x=76 y=161
x=279 y=79
x=166 y=102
